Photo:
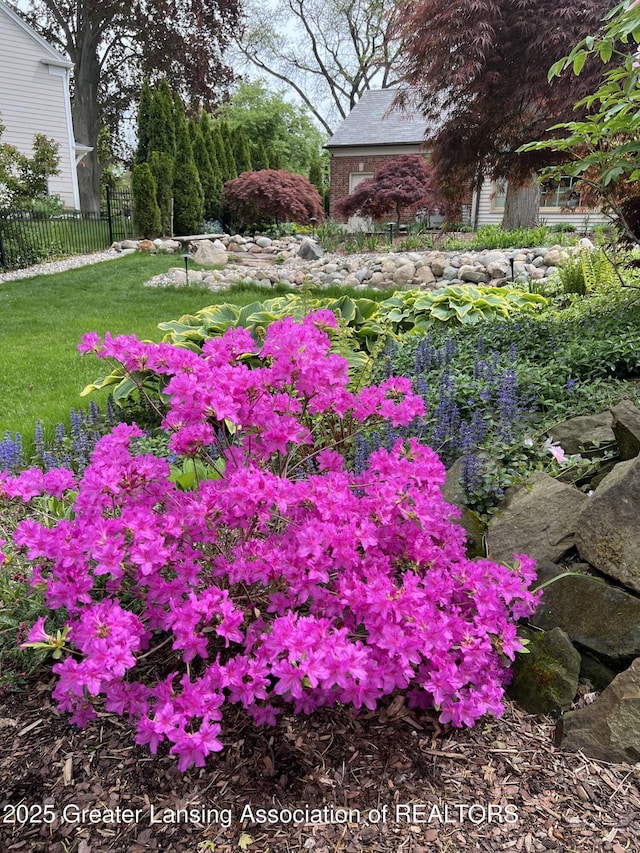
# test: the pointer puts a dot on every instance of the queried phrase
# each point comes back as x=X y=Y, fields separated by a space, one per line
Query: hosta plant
x=363 y=325
x=467 y=304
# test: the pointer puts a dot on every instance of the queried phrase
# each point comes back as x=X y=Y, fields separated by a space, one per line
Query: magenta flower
x=288 y=579
x=37 y=634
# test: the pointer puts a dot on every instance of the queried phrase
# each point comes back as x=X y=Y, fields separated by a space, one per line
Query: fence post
x=3 y=257
x=111 y=240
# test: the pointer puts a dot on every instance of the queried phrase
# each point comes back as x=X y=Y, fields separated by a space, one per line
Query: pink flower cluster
x=282 y=578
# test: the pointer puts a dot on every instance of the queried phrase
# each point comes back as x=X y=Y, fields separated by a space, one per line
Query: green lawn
x=43 y=319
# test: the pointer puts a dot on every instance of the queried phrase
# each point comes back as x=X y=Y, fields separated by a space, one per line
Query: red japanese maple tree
x=478 y=68
x=273 y=194
x=404 y=184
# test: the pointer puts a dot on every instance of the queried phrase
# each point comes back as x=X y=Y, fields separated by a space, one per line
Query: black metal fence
x=30 y=237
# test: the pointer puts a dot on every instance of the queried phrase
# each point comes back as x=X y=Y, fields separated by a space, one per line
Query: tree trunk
x=522 y=206
x=85 y=113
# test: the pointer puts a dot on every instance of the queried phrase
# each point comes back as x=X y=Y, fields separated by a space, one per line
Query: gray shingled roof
x=371 y=123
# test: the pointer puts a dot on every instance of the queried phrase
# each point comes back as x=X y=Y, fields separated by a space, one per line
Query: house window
x=356 y=178
x=561 y=195
x=498 y=195
x=564 y=194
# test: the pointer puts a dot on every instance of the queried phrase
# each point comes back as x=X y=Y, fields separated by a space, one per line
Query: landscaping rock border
x=298 y=261
x=585 y=541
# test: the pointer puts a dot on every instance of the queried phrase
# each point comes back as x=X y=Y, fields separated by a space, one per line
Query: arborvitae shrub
x=161 y=165
x=259 y=156
x=188 y=198
x=146 y=213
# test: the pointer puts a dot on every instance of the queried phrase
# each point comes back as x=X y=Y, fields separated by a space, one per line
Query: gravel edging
x=61 y=265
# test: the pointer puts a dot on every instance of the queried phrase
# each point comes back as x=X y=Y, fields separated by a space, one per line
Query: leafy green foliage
x=363 y=324
x=146 y=213
x=601 y=147
x=467 y=304
x=492 y=390
x=579 y=348
x=24 y=179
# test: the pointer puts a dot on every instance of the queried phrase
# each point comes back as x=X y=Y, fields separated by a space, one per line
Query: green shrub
x=587 y=271
x=161 y=165
x=146 y=213
x=571 y=276
x=494 y=237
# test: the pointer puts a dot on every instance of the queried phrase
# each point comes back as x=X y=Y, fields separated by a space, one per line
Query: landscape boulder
x=626 y=427
x=404 y=274
x=538 y=518
x=583 y=433
x=545 y=681
x=309 y=250
x=555 y=257
x=609 y=728
x=607 y=533
x=473 y=274
x=209 y=255
x=425 y=277
x=597 y=617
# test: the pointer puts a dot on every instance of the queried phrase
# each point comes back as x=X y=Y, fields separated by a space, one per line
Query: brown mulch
x=393 y=780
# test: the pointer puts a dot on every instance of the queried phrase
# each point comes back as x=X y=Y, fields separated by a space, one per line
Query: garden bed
x=331 y=760
x=409 y=782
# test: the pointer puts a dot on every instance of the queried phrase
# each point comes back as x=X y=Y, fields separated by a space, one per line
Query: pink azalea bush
x=281 y=578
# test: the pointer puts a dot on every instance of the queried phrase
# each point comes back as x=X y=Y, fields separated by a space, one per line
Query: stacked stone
x=298 y=261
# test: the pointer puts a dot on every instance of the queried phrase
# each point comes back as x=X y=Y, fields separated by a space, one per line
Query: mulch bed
x=393 y=780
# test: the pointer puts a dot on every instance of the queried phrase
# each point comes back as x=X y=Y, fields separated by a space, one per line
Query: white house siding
x=34 y=98
x=488 y=214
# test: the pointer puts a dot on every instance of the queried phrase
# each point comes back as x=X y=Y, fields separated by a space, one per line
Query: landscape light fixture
x=186 y=257
x=313 y=220
x=390 y=226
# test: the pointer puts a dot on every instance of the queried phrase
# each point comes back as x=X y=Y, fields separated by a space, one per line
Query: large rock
x=404 y=274
x=609 y=728
x=545 y=681
x=309 y=250
x=498 y=267
x=425 y=276
x=583 y=432
x=626 y=426
x=538 y=518
x=597 y=617
x=555 y=257
x=473 y=275
x=209 y=255
x=439 y=265
x=607 y=532
x=453 y=494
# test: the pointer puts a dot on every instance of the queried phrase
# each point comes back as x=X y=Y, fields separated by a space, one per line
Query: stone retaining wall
x=298 y=261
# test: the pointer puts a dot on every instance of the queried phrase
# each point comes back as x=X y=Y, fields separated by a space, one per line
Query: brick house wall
x=344 y=164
